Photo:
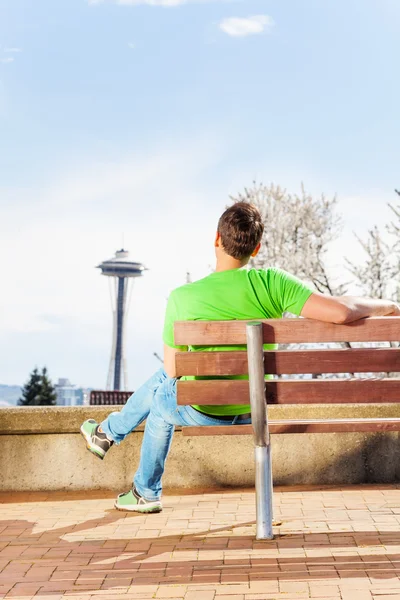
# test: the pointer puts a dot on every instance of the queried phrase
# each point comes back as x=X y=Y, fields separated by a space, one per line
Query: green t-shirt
x=229 y=295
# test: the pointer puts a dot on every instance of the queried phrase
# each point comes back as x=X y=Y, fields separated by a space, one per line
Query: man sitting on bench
x=231 y=292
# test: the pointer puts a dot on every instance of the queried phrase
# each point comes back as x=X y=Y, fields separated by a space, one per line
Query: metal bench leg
x=263 y=492
x=255 y=354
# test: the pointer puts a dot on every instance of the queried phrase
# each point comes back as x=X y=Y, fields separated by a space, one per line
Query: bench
x=258 y=392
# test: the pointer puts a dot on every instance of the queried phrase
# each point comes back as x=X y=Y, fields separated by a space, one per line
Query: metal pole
x=119 y=336
x=124 y=365
x=255 y=356
x=113 y=296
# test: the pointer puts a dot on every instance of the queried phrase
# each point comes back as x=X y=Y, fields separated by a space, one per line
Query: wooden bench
x=256 y=391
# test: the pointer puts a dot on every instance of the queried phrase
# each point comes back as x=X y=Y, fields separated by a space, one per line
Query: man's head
x=239 y=233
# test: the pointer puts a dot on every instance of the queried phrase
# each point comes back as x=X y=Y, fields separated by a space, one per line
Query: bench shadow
x=111 y=564
x=374 y=460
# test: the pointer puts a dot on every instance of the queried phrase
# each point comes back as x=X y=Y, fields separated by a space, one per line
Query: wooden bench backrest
x=290 y=362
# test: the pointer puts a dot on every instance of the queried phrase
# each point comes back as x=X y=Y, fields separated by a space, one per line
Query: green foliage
x=48 y=396
x=38 y=391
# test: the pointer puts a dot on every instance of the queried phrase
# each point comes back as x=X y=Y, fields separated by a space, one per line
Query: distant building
x=103 y=397
x=69 y=394
x=9 y=394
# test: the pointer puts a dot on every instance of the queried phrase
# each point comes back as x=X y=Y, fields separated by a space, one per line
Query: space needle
x=121 y=269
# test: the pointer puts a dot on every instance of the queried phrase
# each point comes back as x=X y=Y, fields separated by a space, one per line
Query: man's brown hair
x=241 y=229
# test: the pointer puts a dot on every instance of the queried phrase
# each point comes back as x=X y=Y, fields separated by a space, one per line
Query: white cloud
x=131 y=45
x=9 y=59
x=151 y=2
x=238 y=27
x=165 y=3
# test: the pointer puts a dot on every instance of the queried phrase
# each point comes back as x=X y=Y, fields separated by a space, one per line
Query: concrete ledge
x=50 y=419
x=43 y=450
x=68 y=419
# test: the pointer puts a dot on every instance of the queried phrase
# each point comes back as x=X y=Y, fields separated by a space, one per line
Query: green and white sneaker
x=96 y=441
x=134 y=502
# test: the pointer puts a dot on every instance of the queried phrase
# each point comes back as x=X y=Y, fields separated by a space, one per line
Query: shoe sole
x=92 y=447
x=135 y=508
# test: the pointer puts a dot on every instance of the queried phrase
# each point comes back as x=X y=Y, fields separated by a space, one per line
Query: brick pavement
x=333 y=543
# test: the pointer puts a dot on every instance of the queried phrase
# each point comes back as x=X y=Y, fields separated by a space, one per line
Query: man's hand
x=396 y=311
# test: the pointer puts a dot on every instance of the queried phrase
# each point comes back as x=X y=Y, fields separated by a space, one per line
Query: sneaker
x=134 y=502
x=96 y=441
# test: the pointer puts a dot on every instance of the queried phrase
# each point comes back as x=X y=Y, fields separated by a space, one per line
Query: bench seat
x=301 y=426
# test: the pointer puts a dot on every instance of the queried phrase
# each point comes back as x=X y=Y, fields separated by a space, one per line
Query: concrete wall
x=41 y=449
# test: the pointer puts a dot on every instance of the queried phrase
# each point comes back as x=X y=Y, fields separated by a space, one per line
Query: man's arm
x=172 y=314
x=346 y=309
x=169 y=360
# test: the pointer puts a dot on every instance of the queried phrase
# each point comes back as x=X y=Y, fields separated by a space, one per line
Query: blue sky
x=136 y=119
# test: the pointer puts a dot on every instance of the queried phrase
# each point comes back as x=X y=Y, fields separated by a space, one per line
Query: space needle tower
x=122 y=270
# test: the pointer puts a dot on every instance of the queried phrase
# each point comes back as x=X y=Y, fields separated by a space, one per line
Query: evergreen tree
x=38 y=391
x=31 y=390
x=48 y=396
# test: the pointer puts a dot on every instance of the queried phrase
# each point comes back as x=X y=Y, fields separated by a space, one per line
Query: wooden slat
x=286 y=331
x=303 y=426
x=213 y=392
x=319 y=391
x=357 y=360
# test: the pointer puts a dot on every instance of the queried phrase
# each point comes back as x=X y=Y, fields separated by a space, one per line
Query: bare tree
x=394 y=226
x=377 y=275
x=298 y=231
x=394 y=230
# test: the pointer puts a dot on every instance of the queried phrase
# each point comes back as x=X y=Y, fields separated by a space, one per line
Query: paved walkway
x=333 y=544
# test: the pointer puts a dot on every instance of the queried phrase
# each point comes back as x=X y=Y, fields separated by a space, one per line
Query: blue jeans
x=163 y=416
x=119 y=424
